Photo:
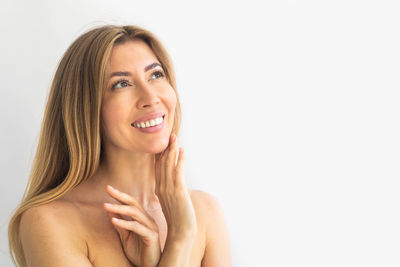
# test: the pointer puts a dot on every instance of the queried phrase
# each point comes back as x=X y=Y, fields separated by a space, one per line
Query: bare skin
x=159 y=221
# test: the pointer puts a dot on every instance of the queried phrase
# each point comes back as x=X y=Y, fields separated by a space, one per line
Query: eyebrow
x=127 y=73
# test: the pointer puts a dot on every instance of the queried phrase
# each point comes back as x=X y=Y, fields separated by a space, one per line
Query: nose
x=148 y=96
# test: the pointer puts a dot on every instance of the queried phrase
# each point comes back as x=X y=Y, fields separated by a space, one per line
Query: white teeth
x=149 y=123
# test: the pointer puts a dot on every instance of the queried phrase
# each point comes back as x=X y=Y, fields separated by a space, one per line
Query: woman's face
x=136 y=87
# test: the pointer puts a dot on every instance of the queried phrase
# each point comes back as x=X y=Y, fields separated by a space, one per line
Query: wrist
x=182 y=236
x=180 y=241
x=176 y=251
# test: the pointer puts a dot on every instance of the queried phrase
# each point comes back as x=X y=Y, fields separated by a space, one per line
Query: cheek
x=113 y=113
x=172 y=99
x=110 y=113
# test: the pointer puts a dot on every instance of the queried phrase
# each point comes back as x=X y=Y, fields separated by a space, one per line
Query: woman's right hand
x=174 y=197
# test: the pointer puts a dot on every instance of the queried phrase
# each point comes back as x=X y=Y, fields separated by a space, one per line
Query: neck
x=132 y=173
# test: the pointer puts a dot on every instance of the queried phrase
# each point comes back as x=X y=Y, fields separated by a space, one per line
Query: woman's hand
x=174 y=198
x=139 y=236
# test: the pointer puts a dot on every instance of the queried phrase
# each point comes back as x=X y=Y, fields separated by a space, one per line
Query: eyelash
x=124 y=80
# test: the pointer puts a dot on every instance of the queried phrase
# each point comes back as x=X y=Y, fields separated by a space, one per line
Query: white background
x=291 y=115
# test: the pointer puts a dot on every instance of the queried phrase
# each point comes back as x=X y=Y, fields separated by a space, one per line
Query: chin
x=155 y=151
x=158 y=147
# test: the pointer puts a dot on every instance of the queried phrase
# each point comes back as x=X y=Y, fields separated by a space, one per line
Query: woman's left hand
x=139 y=236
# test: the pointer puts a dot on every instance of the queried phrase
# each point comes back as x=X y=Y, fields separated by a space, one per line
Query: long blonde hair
x=69 y=150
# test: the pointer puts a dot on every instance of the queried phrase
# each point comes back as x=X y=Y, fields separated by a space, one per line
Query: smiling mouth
x=149 y=123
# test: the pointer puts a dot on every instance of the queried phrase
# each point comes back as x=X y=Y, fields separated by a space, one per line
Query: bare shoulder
x=207 y=208
x=206 y=201
x=217 y=249
x=50 y=234
x=58 y=214
x=55 y=207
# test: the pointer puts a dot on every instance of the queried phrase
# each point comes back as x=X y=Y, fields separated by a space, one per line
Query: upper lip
x=150 y=116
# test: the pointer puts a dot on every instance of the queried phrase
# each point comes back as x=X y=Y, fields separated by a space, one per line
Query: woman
x=106 y=188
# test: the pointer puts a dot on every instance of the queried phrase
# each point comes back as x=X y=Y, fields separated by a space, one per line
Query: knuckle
x=131 y=212
x=136 y=224
x=132 y=202
x=125 y=196
x=117 y=208
x=123 y=209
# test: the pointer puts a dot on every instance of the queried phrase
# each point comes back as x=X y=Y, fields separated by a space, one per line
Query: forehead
x=131 y=55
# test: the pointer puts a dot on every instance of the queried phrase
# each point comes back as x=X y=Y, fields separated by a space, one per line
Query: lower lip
x=152 y=129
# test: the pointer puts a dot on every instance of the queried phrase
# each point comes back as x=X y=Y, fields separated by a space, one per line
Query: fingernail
x=108 y=205
x=115 y=219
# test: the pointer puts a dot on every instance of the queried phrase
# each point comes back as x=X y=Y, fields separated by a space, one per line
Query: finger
x=133 y=212
x=131 y=201
x=170 y=166
x=157 y=170
x=164 y=160
x=180 y=180
x=123 y=197
x=160 y=171
x=112 y=215
x=123 y=233
x=136 y=227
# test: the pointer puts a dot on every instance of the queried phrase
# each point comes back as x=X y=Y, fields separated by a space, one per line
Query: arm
x=47 y=241
x=143 y=248
x=177 y=207
x=176 y=253
x=217 y=251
